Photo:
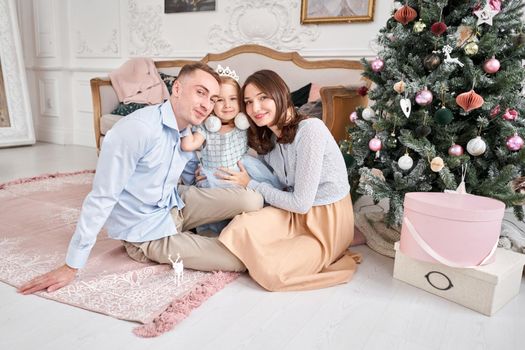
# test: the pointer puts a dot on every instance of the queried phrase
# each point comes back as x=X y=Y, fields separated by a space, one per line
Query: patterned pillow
x=125 y=109
x=312 y=109
x=300 y=96
x=168 y=80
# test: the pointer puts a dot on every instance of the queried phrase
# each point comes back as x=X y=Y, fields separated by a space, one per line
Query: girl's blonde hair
x=235 y=84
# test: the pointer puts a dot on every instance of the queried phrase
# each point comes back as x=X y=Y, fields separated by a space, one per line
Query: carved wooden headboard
x=339 y=80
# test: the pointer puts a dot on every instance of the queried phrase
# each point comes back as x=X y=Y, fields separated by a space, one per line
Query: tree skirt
x=38 y=217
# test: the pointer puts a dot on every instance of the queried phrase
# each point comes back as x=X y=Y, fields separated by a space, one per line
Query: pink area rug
x=38 y=217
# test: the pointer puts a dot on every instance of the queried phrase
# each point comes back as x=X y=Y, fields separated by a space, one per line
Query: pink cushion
x=314 y=94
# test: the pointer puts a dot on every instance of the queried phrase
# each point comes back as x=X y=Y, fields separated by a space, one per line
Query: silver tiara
x=227 y=72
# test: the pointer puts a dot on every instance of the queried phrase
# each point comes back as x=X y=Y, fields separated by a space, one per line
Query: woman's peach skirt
x=288 y=251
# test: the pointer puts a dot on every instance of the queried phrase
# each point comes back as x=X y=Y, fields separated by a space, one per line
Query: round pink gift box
x=462 y=229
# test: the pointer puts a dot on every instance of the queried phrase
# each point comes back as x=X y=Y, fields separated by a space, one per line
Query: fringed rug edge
x=43 y=177
x=179 y=309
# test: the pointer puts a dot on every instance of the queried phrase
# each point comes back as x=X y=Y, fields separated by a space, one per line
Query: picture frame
x=178 y=6
x=17 y=126
x=336 y=11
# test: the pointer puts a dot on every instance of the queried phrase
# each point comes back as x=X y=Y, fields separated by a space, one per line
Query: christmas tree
x=447 y=104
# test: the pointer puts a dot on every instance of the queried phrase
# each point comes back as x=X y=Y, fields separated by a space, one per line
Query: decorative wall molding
x=45 y=34
x=145 y=31
x=48 y=92
x=110 y=49
x=83 y=48
x=272 y=23
x=20 y=131
x=96 y=41
x=83 y=96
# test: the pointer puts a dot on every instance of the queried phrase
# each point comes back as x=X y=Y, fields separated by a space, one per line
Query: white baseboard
x=84 y=138
x=51 y=135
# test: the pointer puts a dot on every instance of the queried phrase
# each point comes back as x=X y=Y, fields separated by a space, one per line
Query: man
x=135 y=194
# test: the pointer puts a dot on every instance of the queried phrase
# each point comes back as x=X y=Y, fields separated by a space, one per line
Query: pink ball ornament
x=353 y=117
x=424 y=97
x=514 y=143
x=377 y=65
x=491 y=66
x=455 y=150
x=375 y=144
x=510 y=114
x=495 y=111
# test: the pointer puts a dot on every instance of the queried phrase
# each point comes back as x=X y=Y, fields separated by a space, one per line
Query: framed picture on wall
x=336 y=11
x=16 y=122
x=5 y=122
x=174 y=6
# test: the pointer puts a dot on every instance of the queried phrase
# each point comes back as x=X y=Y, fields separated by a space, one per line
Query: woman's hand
x=198 y=175
x=240 y=178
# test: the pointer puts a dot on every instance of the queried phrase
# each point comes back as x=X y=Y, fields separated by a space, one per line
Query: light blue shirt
x=135 y=185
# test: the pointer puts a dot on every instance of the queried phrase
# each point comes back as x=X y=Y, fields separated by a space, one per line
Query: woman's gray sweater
x=311 y=168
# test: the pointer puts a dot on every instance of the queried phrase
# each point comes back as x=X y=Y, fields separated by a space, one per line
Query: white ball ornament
x=241 y=121
x=213 y=123
x=476 y=146
x=405 y=162
x=368 y=113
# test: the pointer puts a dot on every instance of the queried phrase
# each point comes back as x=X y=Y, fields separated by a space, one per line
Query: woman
x=300 y=241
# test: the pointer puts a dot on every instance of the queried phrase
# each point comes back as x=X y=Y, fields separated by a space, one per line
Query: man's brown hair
x=286 y=117
x=189 y=68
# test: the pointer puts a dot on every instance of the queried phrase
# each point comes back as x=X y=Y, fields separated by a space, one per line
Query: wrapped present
x=485 y=289
x=457 y=230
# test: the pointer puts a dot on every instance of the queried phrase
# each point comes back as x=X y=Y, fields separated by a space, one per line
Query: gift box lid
x=505 y=262
x=453 y=206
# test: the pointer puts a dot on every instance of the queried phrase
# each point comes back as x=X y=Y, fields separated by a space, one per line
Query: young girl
x=300 y=241
x=225 y=138
x=225 y=142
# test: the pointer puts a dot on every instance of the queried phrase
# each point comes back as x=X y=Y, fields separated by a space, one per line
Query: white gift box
x=484 y=288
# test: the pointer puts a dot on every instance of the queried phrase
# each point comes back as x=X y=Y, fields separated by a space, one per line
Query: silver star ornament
x=485 y=15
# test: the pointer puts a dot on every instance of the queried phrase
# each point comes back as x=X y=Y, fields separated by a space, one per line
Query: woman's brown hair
x=286 y=117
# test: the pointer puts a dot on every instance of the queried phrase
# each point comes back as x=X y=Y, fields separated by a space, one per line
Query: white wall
x=67 y=42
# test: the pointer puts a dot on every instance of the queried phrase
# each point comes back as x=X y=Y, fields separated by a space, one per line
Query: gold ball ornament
x=399 y=87
x=431 y=62
x=437 y=164
x=471 y=48
x=419 y=26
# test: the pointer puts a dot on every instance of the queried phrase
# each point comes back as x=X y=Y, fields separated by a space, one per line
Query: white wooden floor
x=373 y=311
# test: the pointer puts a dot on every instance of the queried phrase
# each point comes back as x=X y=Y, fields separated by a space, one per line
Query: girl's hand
x=198 y=176
x=240 y=178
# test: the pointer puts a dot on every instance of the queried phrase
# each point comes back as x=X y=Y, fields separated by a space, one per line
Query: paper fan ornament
x=469 y=100
x=405 y=14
